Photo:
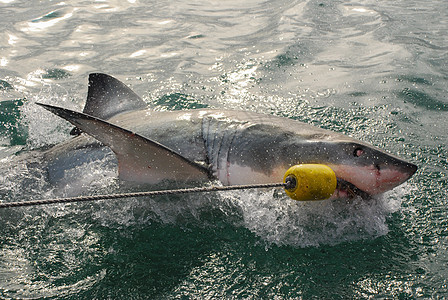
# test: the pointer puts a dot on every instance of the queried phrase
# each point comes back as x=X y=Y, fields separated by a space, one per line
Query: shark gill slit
x=205 y=139
x=212 y=136
x=218 y=161
x=228 y=155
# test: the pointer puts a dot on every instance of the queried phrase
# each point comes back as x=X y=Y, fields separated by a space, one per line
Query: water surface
x=374 y=70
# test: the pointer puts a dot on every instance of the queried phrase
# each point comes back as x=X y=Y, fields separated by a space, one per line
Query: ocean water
x=375 y=70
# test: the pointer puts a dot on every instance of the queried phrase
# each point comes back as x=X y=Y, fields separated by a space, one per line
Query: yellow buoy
x=312 y=182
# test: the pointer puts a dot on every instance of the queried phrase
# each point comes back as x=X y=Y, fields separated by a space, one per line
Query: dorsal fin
x=139 y=158
x=107 y=97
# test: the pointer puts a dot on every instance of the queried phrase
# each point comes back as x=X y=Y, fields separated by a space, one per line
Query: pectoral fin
x=139 y=159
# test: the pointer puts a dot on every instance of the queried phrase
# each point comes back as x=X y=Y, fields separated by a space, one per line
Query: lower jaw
x=347 y=190
x=341 y=194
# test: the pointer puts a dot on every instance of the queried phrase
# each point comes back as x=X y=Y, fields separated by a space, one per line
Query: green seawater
x=377 y=71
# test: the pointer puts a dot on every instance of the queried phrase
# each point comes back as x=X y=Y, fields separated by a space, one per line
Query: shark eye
x=358 y=152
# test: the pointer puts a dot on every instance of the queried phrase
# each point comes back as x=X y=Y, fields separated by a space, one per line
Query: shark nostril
x=358 y=152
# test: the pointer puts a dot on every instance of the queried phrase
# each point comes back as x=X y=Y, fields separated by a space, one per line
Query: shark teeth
x=350 y=189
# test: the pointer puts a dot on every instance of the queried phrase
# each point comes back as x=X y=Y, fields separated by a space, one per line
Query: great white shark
x=234 y=147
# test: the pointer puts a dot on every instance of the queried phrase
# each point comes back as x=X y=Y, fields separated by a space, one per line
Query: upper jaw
x=370 y=180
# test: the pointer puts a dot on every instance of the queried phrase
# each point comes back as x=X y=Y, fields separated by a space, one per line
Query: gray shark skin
x=234 y=147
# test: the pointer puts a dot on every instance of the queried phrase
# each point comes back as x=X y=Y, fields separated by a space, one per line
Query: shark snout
x=388 y=176
x=375 y=179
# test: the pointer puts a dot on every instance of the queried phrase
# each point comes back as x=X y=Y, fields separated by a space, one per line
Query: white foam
x=89 y=178
x=282 y=221
x=44 y=127
x=270 y=215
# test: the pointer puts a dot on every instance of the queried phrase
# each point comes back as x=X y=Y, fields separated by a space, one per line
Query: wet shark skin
x=244 y=147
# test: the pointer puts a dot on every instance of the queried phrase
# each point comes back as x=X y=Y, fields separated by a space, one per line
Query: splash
x=44 y=128
x=270 y=215
x=282 y=221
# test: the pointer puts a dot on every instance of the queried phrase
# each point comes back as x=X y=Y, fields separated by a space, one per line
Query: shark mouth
x=345 y=189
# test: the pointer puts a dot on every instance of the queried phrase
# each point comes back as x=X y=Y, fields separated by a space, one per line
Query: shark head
x=361 y=169
x=366 y=170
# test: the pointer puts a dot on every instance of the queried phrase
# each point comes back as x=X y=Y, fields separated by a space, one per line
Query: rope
x=286 y=185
